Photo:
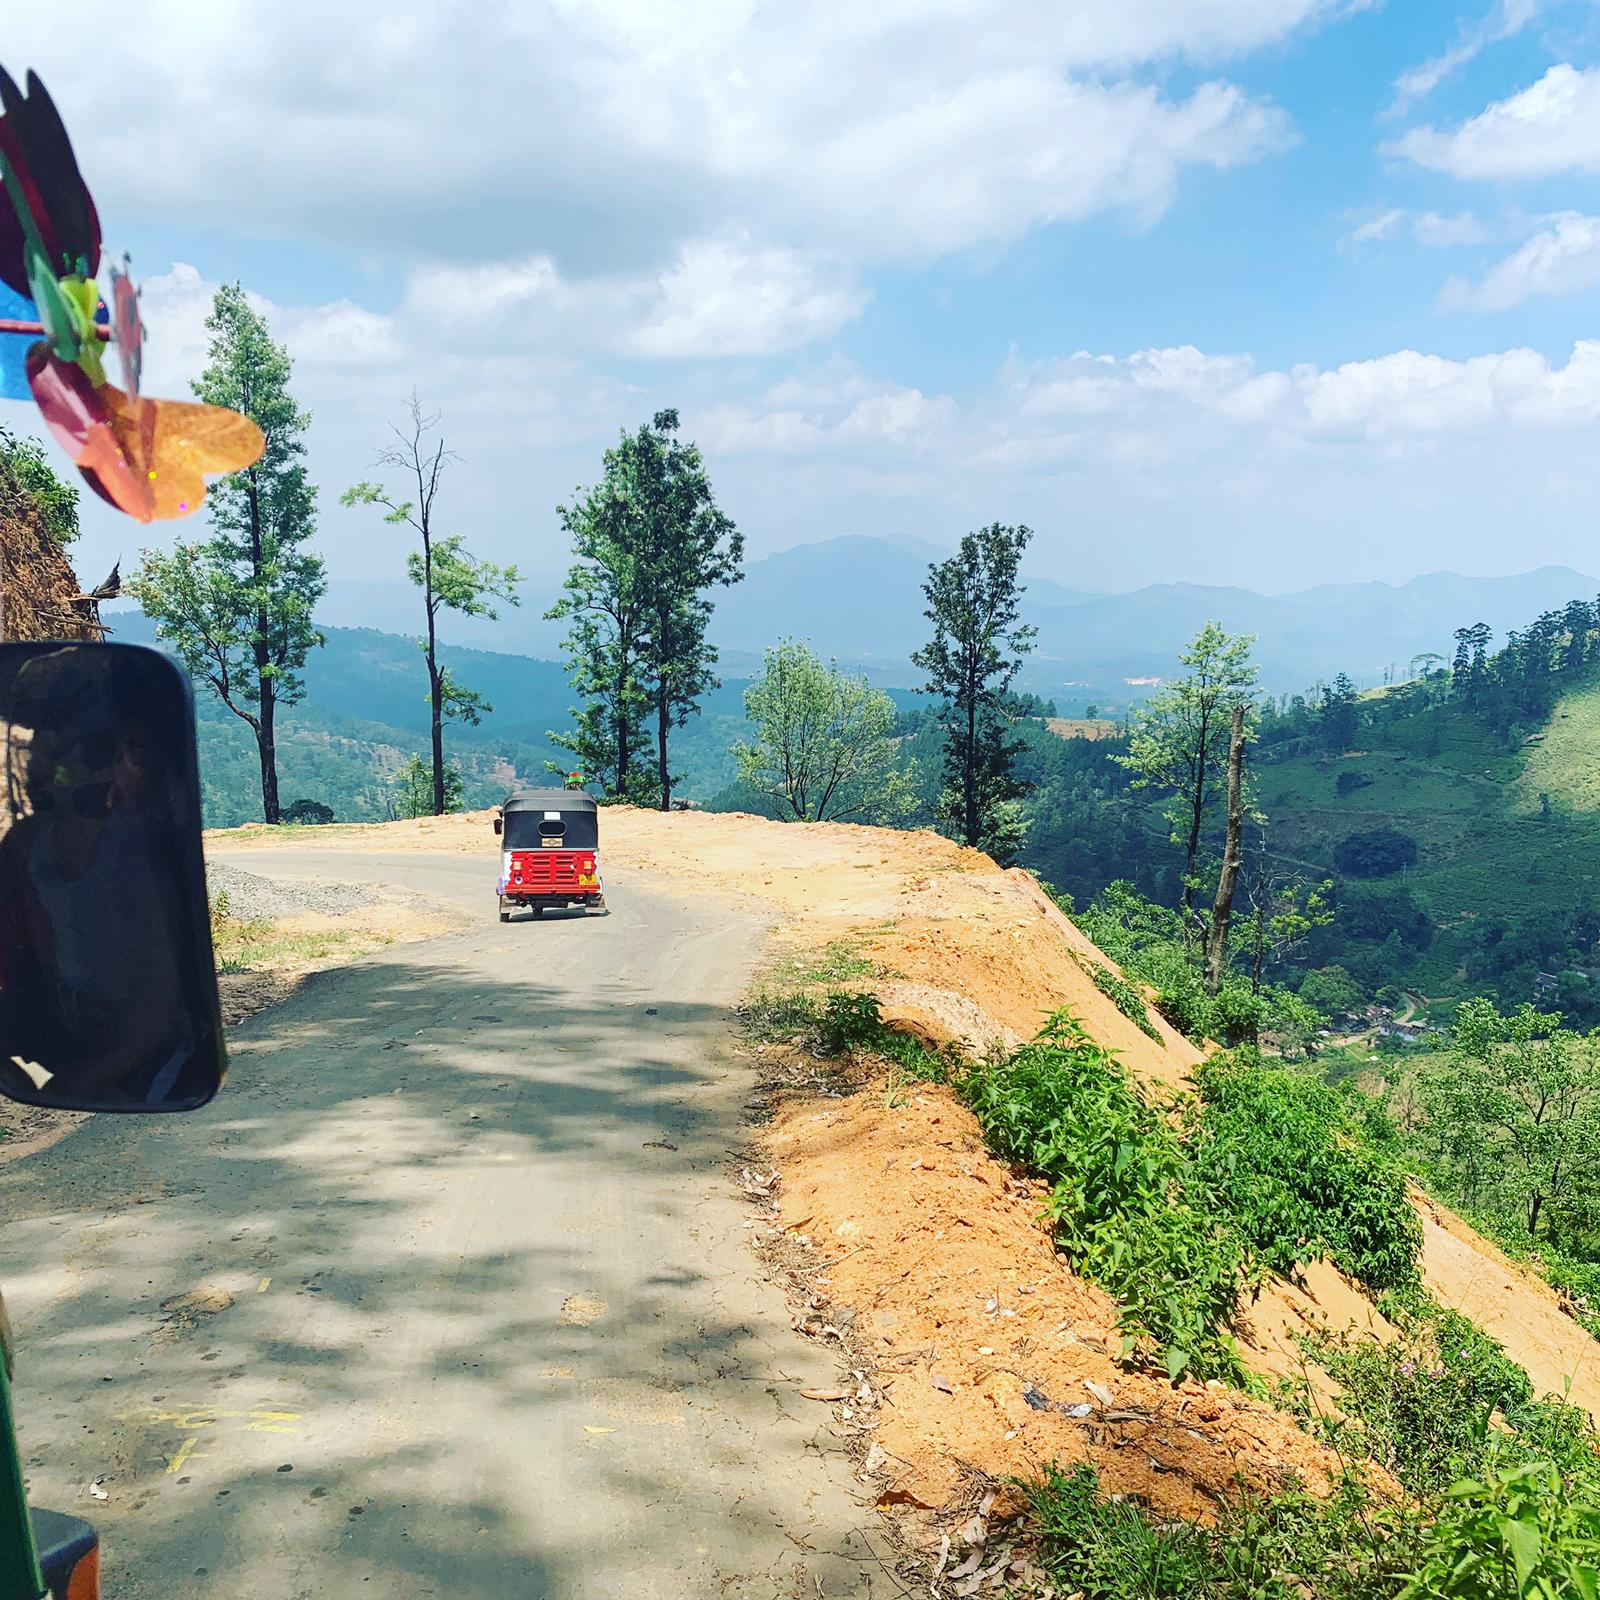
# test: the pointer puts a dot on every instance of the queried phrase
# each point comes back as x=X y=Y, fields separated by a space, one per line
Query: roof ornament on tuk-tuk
x=146 y=457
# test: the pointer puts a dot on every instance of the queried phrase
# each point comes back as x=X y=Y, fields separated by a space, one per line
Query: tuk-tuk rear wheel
x=505 y=911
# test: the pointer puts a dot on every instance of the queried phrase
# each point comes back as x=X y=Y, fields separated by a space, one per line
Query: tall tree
x=450 y=577
x=1180 y=739
x=690 y=548
x=824 y=748
x=607 y=640
x=974 y=601
x=238 y=606
x=1340 y=715
x=1216 y=953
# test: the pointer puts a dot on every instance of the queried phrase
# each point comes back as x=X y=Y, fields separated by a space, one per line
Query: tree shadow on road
x=445 y=1294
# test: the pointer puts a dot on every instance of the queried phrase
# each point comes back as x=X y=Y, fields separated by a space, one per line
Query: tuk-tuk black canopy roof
x=566 y=800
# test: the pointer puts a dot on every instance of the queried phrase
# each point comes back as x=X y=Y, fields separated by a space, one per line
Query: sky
x=1259 y=292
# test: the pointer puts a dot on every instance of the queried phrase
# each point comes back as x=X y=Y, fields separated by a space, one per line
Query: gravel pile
x=252 y=898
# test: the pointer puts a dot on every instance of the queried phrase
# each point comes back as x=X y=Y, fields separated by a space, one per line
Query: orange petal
x=173 y=443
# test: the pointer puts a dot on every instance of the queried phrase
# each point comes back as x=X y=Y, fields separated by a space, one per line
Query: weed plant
x=1125 y=997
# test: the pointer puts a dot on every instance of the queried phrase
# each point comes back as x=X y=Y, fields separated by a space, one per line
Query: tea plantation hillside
x=1463 y=862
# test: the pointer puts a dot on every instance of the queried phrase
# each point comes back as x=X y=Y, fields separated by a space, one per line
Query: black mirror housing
x=108 y=991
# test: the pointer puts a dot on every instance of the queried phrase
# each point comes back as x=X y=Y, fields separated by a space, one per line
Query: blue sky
x=1268 y=292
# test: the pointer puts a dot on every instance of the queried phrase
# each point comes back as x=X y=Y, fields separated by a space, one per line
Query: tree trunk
x=662 y=719
x=1228 y=881
x=1262 y=886
x=267 y=749
x=1197 y=815
x=435 y=687
x=266 y=731
x=437 y=732
x=624 y=754
x=969 y=766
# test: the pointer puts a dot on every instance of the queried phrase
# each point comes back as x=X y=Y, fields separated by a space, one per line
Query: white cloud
x=1383 y=226
x=1203 y=404
x=1551 y=126
x=609 y=136
x=1440 y=233
x=851 y=415
x=1562 y=258
x=1427 y=228
x=1507 y=19
x=718 y=297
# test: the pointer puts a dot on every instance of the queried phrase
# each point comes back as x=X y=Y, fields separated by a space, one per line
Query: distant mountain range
x=860 y=600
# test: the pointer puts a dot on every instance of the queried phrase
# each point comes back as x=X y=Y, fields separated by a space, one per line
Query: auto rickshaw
x=549 y=851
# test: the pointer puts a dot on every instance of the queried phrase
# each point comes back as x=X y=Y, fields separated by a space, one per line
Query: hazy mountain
x=860 y=599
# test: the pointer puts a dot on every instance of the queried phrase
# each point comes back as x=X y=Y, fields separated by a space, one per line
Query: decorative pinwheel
x=147 y=457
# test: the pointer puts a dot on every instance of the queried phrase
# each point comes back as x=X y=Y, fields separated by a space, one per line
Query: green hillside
x=1508 y=880
x=366 y=713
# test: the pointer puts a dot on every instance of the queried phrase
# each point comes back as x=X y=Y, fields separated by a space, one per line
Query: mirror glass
x=108 y=991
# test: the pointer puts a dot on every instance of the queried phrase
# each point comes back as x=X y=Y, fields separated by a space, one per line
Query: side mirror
x=108 y=988
x=499 y=825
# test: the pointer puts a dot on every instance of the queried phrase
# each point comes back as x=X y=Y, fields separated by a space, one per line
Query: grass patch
x=1287 y=1547
x=1124 y=996
x=248 y=944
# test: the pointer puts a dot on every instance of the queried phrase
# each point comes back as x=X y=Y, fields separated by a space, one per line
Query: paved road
x=469 y=1311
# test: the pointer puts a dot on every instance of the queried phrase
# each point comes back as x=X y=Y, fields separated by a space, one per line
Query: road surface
x=448 y=1292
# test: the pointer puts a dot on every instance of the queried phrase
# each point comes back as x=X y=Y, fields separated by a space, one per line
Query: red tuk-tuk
x=549 y=851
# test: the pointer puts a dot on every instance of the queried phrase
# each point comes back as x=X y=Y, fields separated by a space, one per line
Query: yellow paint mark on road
x=192 y=1419
x=185 y=1454
x=588 y=1429
x=261 y=1288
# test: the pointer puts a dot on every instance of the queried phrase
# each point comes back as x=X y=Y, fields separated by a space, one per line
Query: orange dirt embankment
x=968 y=951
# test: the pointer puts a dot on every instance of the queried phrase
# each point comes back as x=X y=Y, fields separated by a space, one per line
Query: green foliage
x=1287 y=1547
x=1285 y=1157
x=1513 y=1120
x=412 y=789
x=1443 y=1402
x=1376 y=854
x=1331 y=990
x=823 y=749
x=1125 y=997
x=649 y=546
x=1519 y=1533
x=1148 y=942
x=26 y=475
x=1180 y=738
x=237 y=607
x=970 y=663
x=1120 y=1204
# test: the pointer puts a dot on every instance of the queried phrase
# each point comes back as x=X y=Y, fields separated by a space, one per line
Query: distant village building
x=1545 y=985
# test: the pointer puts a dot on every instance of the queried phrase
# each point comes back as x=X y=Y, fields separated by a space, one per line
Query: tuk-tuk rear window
x=573 y=830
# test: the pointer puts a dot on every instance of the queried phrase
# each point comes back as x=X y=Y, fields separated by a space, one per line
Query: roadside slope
x=962 y=949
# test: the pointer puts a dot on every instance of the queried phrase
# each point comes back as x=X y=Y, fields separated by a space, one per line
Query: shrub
x=1288 y=1547
x=1349 y=781
x=1282 y=1153
x=1516 y=1532
x=1125 y=997
x=1376 y=854
x=1063 y=1108
x=308 y=813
